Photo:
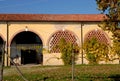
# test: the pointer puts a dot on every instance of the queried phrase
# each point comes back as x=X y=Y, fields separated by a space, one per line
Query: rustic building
x=26 y=35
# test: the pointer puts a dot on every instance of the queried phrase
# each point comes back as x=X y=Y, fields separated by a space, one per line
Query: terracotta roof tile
x=51 y=17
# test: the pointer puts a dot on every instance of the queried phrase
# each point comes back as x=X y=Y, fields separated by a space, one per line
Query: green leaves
x=112 y=23
x=102 y=4
x=112 y=10
x=95 y=51
x=67 y=49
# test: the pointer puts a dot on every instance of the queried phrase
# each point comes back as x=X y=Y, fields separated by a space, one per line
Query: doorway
x=28 y=56
x=27 y=45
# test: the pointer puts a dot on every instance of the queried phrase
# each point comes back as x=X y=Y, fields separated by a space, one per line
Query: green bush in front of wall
x=95 y=51
x=68 y=51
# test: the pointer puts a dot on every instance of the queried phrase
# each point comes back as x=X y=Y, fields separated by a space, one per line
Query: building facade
x=30 y=37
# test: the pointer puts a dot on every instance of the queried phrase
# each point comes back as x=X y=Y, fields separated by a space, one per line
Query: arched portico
x=26 y=48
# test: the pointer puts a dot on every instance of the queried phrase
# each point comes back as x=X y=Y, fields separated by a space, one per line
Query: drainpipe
x=82 y=42
x=7 y=41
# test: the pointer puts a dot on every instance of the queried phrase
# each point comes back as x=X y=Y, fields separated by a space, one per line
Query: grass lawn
x=63 y=73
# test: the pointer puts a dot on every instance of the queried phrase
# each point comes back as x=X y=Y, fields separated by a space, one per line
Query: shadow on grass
x=109 y=78
x=115 y=77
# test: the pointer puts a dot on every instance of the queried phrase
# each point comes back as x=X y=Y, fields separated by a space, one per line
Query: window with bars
x=54 y=40
x=99 y=34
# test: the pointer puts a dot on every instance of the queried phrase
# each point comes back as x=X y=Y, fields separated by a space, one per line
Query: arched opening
x=26 y=48
x=1 y=47
x=99 y=34
x=55 y=38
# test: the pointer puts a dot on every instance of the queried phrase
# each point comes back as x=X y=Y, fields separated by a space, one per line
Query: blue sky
x=49 y=6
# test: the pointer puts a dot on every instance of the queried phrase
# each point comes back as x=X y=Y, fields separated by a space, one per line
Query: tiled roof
x=51 y=17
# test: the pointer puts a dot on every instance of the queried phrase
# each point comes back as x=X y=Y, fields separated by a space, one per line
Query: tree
x=112 y=20
x=67 y=49
x=95 y=51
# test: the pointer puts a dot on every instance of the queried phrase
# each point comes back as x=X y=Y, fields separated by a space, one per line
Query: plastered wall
x=45 y=30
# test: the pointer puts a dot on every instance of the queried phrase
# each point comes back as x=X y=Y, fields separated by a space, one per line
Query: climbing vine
x=95 y=51
x=68 y=51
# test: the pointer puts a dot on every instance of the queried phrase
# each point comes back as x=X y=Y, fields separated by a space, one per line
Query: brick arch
x=99 y=34
x=55 y=38
x=17 y=32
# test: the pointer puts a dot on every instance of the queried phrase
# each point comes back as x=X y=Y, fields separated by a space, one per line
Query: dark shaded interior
x=30 y=54
x=27 y=38
x=1 y=45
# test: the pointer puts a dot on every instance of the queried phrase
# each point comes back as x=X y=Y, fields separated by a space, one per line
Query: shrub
x=95 y=51
x=68 y=50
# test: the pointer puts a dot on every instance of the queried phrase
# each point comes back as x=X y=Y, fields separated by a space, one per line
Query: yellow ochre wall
x=44 y=30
